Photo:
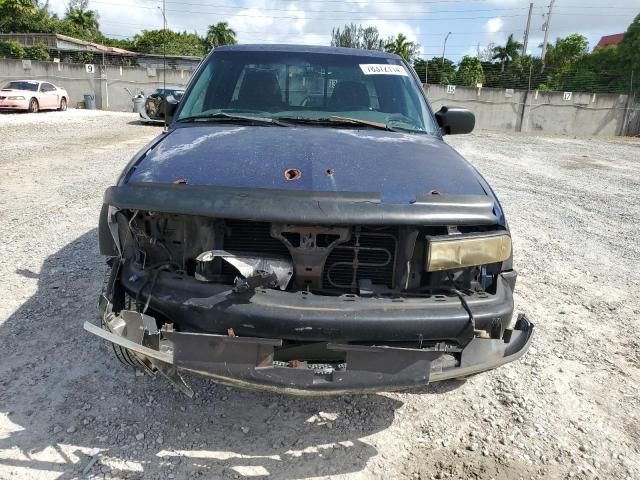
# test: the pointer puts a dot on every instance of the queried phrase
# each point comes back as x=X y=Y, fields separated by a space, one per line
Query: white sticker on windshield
x=383 y=69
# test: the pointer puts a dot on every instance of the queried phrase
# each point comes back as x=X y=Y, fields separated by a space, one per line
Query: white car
x=32 y=96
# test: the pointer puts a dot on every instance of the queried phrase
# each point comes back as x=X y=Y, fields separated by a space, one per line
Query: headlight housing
x=459 y=251
x=18 y=97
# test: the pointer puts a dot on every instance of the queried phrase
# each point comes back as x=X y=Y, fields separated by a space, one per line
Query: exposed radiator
x=369 y=254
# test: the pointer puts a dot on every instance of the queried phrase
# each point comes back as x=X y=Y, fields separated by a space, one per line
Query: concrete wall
x=544 y=112
x=107 y=84
x=495 y=109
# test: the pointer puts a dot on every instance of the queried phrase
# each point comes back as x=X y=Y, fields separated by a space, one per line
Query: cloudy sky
x=473 y=23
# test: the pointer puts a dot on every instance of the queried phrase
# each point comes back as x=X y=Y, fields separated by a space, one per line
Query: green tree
x=357 y=36
x=470 y=71
x=562 y=65
x=370 y=38
x=176 y=43
x=523 y=73
x=220 y=34
x=348 y=37
x=403 y=47
x=12 y=10
x=19 y=16
x=438 y=72
x=629 y=53
x=507 y=53
x=80 y=21
x=566 y=51
x=123 y=43
x=603 y=70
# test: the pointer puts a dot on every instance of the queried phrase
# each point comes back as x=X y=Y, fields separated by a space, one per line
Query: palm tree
x=401 y=46
x=220 y=34
x=506 y=54
x=85 y=20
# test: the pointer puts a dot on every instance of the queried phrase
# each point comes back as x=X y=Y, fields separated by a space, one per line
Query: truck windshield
x=307 y=86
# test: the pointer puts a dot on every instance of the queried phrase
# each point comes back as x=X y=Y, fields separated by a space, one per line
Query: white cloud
x=313 y=25
x=494 y=25
x=311 y=21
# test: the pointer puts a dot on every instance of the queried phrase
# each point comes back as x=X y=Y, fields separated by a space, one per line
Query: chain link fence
x=534 y=78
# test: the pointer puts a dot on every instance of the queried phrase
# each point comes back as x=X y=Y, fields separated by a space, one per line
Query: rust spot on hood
x=292 y=174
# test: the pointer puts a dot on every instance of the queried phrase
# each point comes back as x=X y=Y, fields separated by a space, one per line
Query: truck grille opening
x=367 y=256
x=245 y=237
x=326 y=259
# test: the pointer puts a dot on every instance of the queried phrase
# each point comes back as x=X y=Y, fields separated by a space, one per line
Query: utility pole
x=526 y=32
x=547 y=28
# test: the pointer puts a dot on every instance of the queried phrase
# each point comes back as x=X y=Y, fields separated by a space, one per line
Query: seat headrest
x=348 y=94
x=260 y=90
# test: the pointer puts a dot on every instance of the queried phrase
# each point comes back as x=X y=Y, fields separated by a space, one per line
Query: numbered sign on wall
x=89 y=67
x=567 y=96
x=451 y=89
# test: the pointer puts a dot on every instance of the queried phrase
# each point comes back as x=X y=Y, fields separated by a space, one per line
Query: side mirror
x=455 y=120
x=169 y=106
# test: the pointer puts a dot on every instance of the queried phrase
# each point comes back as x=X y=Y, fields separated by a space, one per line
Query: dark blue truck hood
x=399 y=166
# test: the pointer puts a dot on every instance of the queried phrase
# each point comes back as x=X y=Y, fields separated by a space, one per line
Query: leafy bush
x=11 y=49
x=84 y=57
x=37 y=52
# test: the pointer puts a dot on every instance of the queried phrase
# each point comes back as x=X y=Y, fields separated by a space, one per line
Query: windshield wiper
x=337 y=120
x=221 y=116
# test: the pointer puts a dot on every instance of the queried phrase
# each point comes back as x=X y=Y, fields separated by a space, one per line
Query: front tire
x=63 y=104
x=33 y=106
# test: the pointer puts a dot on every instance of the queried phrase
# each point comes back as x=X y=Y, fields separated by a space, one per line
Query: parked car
x=32 y=96
x=271 y=241
x=152 y=110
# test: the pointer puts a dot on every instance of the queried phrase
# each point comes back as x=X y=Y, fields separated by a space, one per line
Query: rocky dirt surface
x=570 y=408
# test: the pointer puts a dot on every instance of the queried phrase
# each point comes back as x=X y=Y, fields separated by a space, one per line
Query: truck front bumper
x=249 y=361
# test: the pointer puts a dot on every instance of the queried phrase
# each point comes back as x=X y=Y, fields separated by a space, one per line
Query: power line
x=377 y=17
x=269 y=9
x=600 y=7
x=293 y=17
x=394 y=2
x=262 y=32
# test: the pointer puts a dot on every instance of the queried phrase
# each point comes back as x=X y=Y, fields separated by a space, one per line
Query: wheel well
x=34 y=98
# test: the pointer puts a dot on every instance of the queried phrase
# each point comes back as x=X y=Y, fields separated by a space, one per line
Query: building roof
x=306 y=49
x=62 y=42
x=70 y=45
x=609 y=40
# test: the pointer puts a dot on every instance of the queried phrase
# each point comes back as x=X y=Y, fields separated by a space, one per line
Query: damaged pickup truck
x=302 y=227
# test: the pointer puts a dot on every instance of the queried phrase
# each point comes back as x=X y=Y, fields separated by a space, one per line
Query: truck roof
x=307 y=49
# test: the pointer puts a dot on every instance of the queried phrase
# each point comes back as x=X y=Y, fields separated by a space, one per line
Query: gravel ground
x=570 y=408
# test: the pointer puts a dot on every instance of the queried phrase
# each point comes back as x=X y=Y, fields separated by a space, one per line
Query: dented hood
x=399 y=166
